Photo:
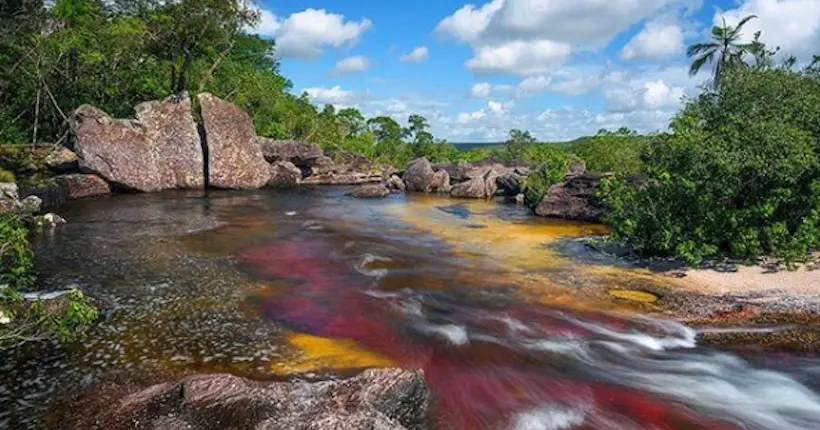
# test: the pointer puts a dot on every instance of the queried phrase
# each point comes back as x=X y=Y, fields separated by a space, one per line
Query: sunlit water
x=309 y=284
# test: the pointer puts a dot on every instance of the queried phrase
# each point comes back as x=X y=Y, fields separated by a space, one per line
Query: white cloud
x=481 y=90
x=417 y=55
x=519 y=58
x=397 y=106
x=465 y=117
x=468 y=23
x=499 y=108
x=794 y=25
x=529 y=37
x=351 y=65
x=656 y=41
x=306 y=34
x=644 y=95
x=532 y=86
x=335 y=95
x=268 y=24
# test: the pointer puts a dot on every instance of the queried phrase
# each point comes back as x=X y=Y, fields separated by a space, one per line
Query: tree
x=723 y=51
x=518 y=142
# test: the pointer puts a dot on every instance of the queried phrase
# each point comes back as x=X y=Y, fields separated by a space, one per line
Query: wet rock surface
x=284 y=174
x=78 y=186
x=234 y=156
x=370 y=191
x=377 y=399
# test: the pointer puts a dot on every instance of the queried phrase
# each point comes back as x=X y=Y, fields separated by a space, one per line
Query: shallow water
x=309 y=283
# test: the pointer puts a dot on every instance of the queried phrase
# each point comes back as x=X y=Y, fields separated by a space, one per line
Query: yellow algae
x=514 y=245
x=633 y=295
x=319 y=353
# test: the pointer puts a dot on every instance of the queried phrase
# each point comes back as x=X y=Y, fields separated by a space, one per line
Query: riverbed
x=514 y=324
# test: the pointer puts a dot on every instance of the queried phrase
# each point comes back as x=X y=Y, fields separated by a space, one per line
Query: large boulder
x=481 y=185
x=376 y=399
x=284 y=174
x=158 y=150
x=573 y=199
x=302 y=154
x=420 y=176
x=511 y=182
x=234 y=157
x=370 y=191
x=458 y=171
x=78 y=186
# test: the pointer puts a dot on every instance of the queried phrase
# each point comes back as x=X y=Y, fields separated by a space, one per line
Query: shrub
x=552 y=169
x=610 y=151
x=6 y=176
x=738 y=177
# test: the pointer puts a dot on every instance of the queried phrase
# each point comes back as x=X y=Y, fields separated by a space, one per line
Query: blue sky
x=559 y=68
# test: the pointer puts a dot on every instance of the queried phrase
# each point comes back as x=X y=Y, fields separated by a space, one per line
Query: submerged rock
x=420 y=176
x=284 y=174
x=50 y=220
x=234 y=157
x=370 y=191
x=158 y=150
x=78 y=186
x=376 y=399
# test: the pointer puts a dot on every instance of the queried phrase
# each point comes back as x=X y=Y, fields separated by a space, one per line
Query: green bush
x=25 y=320
x=6 y=176
x=552 y=169
x=738 y=177
x=610 y=151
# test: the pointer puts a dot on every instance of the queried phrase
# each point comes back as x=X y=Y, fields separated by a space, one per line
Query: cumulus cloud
x=530 y=37
x=793 y=25
x=335 y=95
x=519 y=57
x=499 y=108
x=656 y=41
x=351 y=65
x=481 y=90
x=532 y=86
x=268 y=24
x=417 y=55
x=466 y=117
x=306 y=34
x=646 y=95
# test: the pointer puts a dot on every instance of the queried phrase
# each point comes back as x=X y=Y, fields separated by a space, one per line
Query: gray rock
x=420 y=176
x=481 y=185
x=389 y=399
x=284 y=174
x=30 y=205
x=234 y=156
x=395 y=183
x=573 y=199
x=50 y=220
x=302 y=154
x=370 y=191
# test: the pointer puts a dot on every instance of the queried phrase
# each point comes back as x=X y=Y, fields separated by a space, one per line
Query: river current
x=512 y=330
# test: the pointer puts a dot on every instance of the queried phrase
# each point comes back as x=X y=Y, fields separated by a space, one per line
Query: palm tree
x=724 y=50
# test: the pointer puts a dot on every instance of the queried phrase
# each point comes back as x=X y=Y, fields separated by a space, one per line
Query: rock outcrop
x=158 y=150
x=301 y=154
x=395 y=184
x=284 y=174
x=10 y=202
x=573 y=199
x=370 y=191
x=376 y=399
x=235 y=160
x=420 y=176
x=511 y=182
x=78 y=186
x=480 y=185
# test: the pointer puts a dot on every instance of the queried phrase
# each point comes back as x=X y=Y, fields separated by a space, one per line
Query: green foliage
x=610 y=151
x=738 y=177
x=724 y=50
x=15 y=252
x=6 y=176
x=518 y=143
x=552 y=169
x=24 y=320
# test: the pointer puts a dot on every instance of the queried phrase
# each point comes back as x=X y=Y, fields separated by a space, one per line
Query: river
x=512 y=328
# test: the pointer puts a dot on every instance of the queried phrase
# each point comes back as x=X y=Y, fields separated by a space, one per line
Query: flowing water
x=510 y=331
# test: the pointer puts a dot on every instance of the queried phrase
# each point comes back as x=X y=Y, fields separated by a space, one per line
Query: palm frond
x=700 y=62
x=697 y=48
x=739 y=26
